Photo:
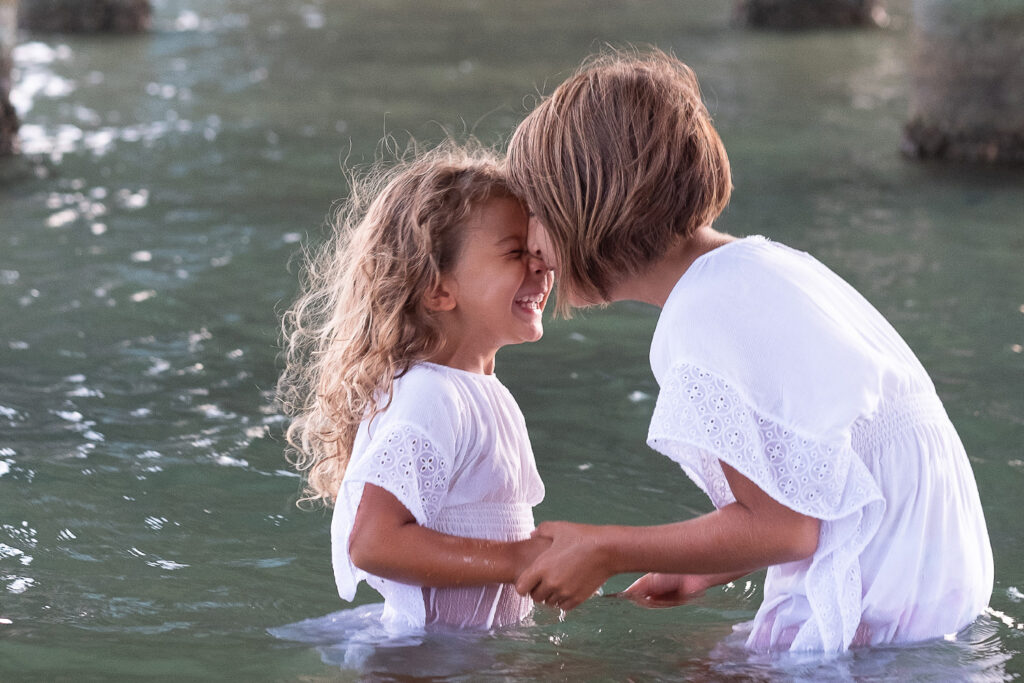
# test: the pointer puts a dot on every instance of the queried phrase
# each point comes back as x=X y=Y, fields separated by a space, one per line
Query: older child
x=784 y=394
x=398 y=418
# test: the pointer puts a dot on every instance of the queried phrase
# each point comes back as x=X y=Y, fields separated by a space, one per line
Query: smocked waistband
x=496 y=521
x=895 y=418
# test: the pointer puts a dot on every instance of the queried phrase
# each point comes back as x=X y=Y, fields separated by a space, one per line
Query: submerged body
x=770 y=363
x=398 y=419
x=452 y=447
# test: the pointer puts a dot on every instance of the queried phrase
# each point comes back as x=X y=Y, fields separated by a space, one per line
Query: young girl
x=398 y=418
x=784 y=395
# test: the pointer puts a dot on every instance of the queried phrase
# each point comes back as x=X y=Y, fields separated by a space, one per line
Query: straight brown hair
x=619 y=163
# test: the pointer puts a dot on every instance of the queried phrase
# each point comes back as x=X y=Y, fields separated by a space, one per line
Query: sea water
x=148 y=526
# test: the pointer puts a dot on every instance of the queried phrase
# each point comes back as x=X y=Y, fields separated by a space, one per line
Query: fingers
x=527 y=581
x=565 y=599
x=569 y=604
x=554 y=599
x=546 y=596
x=531 y=582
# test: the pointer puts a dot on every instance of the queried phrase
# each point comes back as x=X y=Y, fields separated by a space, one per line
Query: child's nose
x=536 y=263
x=534 y=250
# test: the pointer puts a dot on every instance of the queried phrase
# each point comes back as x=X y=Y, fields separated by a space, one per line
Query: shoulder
x=721 y=295
x=752 y=293
x=781 y=330
x=422 y=381
x=739 y=277
x=425 y=398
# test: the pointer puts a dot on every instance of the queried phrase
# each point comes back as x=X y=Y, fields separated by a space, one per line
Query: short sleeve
x=410 y=451
x=411 y=465
x=700 y=421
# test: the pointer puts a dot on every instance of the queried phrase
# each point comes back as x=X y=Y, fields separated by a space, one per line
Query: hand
x=666 y=590
x=526 y=552
x=571 y=570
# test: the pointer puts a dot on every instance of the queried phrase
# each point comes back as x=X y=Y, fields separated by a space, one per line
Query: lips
x=532 y=301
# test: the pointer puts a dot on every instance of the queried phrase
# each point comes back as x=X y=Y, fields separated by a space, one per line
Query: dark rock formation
x=8 y=117
x=967 y=81
x=805 y=14
x=86 y=16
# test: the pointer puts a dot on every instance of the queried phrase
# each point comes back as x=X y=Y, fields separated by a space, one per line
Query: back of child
x=398 y=418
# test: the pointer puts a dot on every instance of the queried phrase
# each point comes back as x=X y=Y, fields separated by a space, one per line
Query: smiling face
x=495 y=294
x=542 y=247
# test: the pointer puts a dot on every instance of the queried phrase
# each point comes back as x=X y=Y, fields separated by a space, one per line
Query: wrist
x=609 y=542
x=522 y=555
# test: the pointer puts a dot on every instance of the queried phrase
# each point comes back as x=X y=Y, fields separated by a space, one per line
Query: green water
x=147 y=520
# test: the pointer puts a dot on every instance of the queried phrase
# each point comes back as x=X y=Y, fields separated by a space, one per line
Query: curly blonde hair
x=359 y=321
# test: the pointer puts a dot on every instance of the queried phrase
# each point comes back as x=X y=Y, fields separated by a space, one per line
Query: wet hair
x=619 y=163
x=360 y=320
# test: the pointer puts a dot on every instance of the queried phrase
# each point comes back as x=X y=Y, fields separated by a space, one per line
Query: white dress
x=769 y=362
x=452 y=447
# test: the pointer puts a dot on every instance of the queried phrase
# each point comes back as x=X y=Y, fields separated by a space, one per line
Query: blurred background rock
x=85 y=16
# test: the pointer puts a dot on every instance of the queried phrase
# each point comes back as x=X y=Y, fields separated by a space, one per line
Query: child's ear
x=442 y=297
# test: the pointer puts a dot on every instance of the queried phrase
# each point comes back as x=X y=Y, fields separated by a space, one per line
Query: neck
x=460 y=358
x=654 y=284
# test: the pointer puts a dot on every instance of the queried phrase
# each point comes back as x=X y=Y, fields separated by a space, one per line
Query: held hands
x=571 y=570
x=666 y=590
x=526 y=552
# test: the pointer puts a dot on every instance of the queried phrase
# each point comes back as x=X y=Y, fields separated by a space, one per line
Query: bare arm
x=386 y=541
x=754 y=532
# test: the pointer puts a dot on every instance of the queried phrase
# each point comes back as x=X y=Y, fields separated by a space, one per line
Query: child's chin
x=533 y=335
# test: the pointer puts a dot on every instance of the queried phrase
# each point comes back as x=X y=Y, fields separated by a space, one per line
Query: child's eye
x=517 y=253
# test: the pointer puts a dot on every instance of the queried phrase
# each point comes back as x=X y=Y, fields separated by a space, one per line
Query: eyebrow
x=508 y=238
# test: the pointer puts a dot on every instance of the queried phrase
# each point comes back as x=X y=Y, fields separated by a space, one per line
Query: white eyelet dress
x=770 y=362
x=452 y=447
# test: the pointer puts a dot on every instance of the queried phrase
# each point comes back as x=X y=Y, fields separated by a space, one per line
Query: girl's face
x=498 y=288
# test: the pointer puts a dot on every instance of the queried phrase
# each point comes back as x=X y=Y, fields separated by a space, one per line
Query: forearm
x=416 y=555
x=727 y=543
x=753 y=532
x=712 y=580
x=386 y=541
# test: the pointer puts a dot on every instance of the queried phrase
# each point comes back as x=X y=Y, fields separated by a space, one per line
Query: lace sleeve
x=700 y=421
x=409 y=465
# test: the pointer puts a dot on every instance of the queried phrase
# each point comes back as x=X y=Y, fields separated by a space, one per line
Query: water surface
x=147 y=519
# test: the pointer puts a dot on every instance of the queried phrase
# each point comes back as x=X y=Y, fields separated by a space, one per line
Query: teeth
x=530 y=299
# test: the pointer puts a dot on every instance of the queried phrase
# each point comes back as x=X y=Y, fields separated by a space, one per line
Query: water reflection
x=145 y=508
x=975 y=654
x=546 y=649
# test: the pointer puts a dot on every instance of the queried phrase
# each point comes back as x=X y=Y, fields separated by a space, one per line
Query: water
x=147 y=520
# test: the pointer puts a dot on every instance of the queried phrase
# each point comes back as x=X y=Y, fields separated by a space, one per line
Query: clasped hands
x=580 y=558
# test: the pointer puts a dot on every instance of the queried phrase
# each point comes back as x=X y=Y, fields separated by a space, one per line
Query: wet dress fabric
x=768 y=361
x=452 y=447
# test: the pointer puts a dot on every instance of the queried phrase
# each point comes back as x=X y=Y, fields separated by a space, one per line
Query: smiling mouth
x=532 y=301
